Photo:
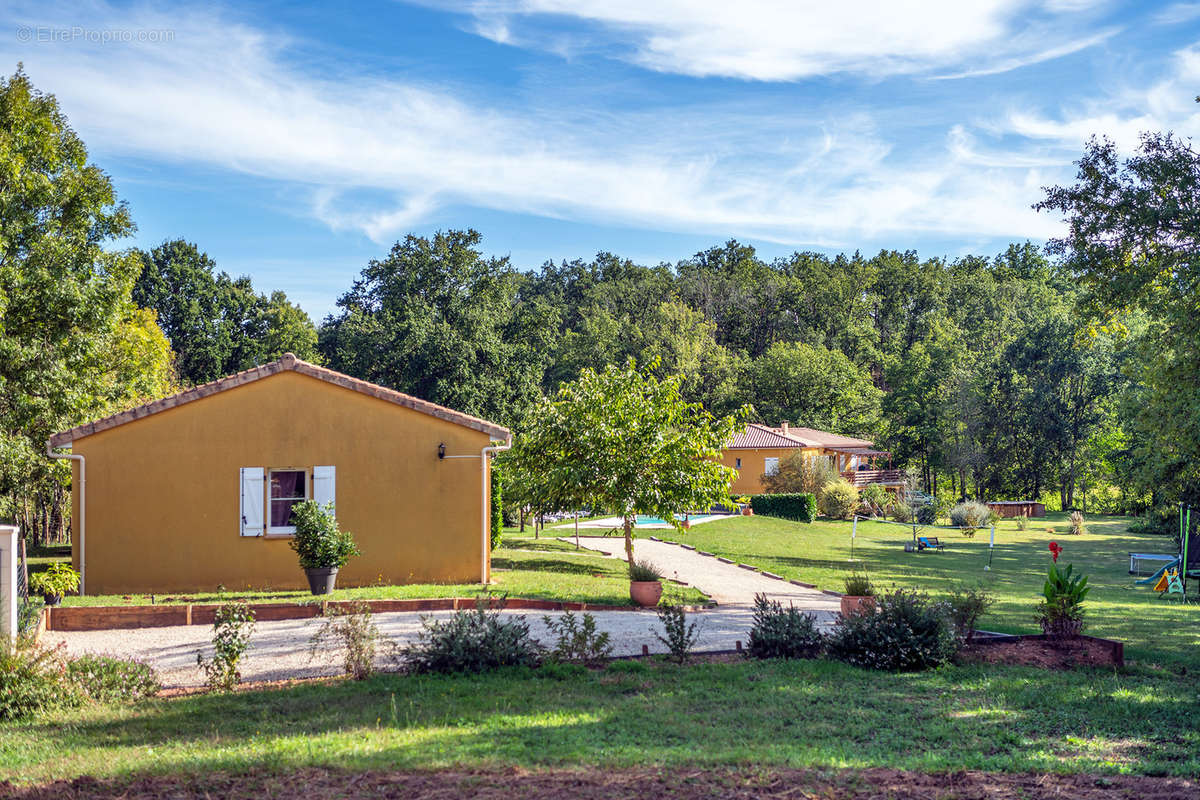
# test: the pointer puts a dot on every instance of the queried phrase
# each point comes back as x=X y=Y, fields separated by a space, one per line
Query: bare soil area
x=593 y=784
x=1041 y=653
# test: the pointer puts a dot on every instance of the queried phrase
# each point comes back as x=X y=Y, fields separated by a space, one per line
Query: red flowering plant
x=1060 y=612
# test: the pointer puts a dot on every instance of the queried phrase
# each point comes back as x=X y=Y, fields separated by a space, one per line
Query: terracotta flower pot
x=747 y=511
x=853 y=604
x=645 y=593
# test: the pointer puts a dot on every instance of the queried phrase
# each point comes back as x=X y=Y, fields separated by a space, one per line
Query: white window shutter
x=252 y=501
x=324 y=485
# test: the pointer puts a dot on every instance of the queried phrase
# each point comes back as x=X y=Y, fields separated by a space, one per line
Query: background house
x=194 y=491
x=759 y=450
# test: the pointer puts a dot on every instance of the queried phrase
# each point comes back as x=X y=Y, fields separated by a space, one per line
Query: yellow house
x=760 y=449
x=195 y=491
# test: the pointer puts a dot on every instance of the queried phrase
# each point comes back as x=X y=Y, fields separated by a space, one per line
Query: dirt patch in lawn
x=593 y=784
x=1042 y=653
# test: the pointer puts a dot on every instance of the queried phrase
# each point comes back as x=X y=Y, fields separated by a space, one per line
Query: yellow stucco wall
x=749 y=479
x=163 y=492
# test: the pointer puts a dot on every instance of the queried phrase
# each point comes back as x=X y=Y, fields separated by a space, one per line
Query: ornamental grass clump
x=779 y=632
x=970 y=516
x=643 y=571
x=908 y=632
x=1077 y=528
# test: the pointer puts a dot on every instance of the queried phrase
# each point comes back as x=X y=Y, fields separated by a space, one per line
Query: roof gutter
x=82 y=526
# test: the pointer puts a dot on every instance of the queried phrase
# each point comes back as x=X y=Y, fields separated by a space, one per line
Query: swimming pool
x=643 y=519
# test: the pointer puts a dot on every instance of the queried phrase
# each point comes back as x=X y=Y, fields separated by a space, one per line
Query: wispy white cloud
x=787 y=40
x=1177 y=14
x=380 y=155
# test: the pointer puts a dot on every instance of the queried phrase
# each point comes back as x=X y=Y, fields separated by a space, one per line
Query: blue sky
x=293 y=144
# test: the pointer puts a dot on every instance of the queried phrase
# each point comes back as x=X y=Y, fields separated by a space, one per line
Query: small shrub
x=907 y=632
x=680 y=635
x=1060 y=612
x=108 y=679
x=798 y=506
x=233 y=624
x=644 y=571
x=779 y=632
x=839 y=499
x=970 y=516
x=33 y=680
x=318 y=541
x=355 y=635
x=577 y=640
x=902 y=512
x=858 y=585
x=966 y=605
x=927 y=514
x=56 y=580
x=1077 y=528
x=1022 y=522
x=876 y=498
x=472 y=641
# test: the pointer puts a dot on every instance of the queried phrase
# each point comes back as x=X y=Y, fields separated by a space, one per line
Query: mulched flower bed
x=1036 y=652
x=683 y=783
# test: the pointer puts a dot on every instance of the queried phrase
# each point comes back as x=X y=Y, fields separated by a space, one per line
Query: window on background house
x=737 y=463
x=771 y=466
x=288 y=487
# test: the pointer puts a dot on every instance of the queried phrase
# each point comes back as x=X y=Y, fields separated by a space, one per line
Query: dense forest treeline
x=1009 y=375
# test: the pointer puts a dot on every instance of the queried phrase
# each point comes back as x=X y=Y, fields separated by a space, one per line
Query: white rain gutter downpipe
x=485 y=542
x=82 y=510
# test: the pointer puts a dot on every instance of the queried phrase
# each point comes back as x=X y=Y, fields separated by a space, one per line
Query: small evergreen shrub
x=779 y=632
x=907 y=632
x=33 y=680
x=472 y=641
x=678 y=634
x=233 y=625
x=798 y=506
x=927 y=514
x=108 y=679
x=318 y=541
x=970 y=516
x=902 y=512
x=578 y=640
x=839 y=499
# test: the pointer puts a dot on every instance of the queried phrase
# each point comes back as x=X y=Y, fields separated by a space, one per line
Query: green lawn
x=1154 y=628
x=745 y=713
x=521 y=567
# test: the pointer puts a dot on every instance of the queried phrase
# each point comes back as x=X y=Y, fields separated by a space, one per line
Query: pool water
x=643 y=519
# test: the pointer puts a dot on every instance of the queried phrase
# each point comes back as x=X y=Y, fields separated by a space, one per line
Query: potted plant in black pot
x=55 y=581
x=322 y=546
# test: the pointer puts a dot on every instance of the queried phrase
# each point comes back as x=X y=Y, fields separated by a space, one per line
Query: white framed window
x=770 y=466
x=285 y=488
x=737 y=463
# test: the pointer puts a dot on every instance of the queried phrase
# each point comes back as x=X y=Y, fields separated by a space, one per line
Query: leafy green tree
x=436 y=319
x=622 y=439
x=217 y=325
x=1133 y=242
x=814 y=387
x=72 y=345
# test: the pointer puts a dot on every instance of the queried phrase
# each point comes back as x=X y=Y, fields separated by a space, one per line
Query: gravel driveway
x=280 y=649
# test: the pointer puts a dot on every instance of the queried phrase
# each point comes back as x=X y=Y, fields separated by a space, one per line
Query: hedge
x=800 y=506
x=497 y=502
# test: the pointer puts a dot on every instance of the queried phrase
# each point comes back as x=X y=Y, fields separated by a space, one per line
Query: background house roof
x=760 y=436
x=288 y=362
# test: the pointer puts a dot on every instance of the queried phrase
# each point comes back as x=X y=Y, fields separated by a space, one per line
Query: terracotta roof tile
x=756 y=436
x=288 y=362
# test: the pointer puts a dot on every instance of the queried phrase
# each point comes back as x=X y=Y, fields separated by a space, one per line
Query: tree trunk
x=628 y=539
x=576 y=530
